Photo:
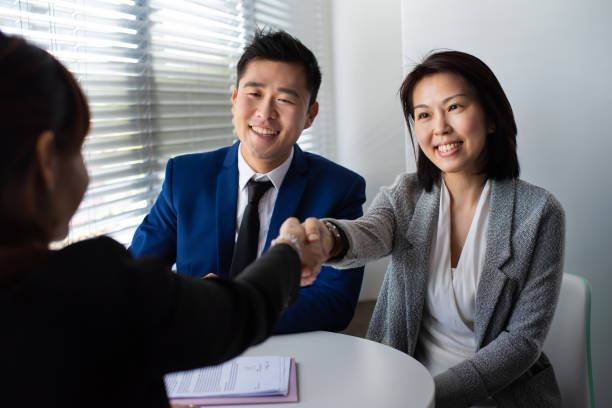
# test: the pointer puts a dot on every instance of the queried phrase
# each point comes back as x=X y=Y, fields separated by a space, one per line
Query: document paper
x=242 y=376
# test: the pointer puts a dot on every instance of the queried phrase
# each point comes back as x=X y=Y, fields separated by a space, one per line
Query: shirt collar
x=276 y=176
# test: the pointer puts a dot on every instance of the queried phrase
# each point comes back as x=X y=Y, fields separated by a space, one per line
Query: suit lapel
x=290 y=193
x=419 y=236
x=225 y=209
x=421 y=227
x=499 y=250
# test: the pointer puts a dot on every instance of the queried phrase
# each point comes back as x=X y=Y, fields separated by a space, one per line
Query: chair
x=568 y=344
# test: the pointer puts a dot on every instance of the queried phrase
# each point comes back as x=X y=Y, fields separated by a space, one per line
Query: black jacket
x=91 y=326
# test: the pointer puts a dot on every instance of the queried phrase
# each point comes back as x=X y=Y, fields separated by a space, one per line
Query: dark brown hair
x=501 y=161
x=37 y=93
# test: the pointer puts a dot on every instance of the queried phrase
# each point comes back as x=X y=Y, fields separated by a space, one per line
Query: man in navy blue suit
x=196 y=218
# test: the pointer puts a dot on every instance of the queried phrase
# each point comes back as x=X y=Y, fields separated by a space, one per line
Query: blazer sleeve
x=517 y=348
x=156 y=235
x=329 y=303
x=185 y=323
x=371 y=236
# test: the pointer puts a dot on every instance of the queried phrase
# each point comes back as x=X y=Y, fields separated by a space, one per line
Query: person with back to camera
x=476 y=253
x=87 y=325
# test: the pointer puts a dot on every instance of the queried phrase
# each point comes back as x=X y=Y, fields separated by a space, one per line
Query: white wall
x=366 y=42
x=312 y=25
x=554 y=60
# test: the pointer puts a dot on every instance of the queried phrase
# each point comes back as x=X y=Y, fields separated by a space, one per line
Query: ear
x=45 y=158
x=234 y=96
x=312 y=114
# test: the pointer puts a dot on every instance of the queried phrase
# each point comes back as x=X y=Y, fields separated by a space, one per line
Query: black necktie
x=245 y=250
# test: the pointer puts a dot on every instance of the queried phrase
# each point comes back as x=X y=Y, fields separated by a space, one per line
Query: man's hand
x=314 y=243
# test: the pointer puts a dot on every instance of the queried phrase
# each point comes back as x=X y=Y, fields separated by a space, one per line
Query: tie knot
x=257 y=189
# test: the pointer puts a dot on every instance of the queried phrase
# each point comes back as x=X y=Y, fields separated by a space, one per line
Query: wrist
x=290 y=240
x=337 y=241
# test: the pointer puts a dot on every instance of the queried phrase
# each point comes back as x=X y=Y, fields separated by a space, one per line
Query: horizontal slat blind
x=158 y=75
x=309 y=21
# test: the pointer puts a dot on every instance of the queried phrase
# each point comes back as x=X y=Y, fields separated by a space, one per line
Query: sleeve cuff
x=449 y=391
x=343 y=238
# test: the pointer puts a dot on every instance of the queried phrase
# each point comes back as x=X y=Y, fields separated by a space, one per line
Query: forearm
x=369 y=237
x=281 y=288
x=366 y=239
x=213 y=320
x=492 y=368
x=156 y=235
x=328 y=304
x=151 y=241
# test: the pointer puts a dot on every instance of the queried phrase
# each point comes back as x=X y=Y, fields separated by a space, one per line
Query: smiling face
x=271 y=110
x=450 y=124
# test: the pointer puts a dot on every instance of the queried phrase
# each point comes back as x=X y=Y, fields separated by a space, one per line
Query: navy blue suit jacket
x=193 y=221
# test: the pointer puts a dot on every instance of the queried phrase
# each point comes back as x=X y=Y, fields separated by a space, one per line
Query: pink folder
x=292 y=395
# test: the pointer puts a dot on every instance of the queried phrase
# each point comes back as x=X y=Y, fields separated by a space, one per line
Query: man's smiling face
x=271 y=109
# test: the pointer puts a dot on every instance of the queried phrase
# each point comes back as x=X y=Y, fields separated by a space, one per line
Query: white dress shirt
x=447 y=332
x=266 y=204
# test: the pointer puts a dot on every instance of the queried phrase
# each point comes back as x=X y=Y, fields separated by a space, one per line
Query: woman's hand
x=317 y=232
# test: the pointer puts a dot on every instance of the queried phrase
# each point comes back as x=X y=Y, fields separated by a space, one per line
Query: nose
x=266 y=109
x=441 y=125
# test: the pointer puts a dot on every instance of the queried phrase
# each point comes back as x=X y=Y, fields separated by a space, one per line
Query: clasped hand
x=315 y=243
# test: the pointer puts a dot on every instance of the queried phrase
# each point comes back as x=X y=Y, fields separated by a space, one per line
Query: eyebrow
x=289 y=91
x=254 y=84
x=443 y=101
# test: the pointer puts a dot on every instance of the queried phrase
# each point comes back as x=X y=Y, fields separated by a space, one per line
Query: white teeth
x=448 y=147
x=263 y=131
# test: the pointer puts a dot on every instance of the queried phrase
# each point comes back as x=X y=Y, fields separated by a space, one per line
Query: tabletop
x=337 y=370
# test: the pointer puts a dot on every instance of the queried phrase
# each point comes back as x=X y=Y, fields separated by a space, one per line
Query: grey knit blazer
x=516 y=295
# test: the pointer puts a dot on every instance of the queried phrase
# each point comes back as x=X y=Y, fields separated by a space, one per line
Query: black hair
x=281 y=46
x=37 y=94
x=500 y=161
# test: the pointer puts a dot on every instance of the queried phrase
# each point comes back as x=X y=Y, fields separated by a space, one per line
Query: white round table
x=337 y=371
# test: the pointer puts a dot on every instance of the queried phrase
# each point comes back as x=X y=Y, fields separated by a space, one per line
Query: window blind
x=158 y=75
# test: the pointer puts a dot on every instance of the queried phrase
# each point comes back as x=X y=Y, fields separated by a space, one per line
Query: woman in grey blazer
x=466 y=132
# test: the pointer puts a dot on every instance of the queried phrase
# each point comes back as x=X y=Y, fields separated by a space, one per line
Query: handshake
x=313 y=240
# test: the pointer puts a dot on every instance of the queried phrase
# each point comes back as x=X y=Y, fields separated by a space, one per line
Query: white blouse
x=447 y=331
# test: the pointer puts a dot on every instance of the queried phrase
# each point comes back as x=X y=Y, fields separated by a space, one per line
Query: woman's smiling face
x=450 y=124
